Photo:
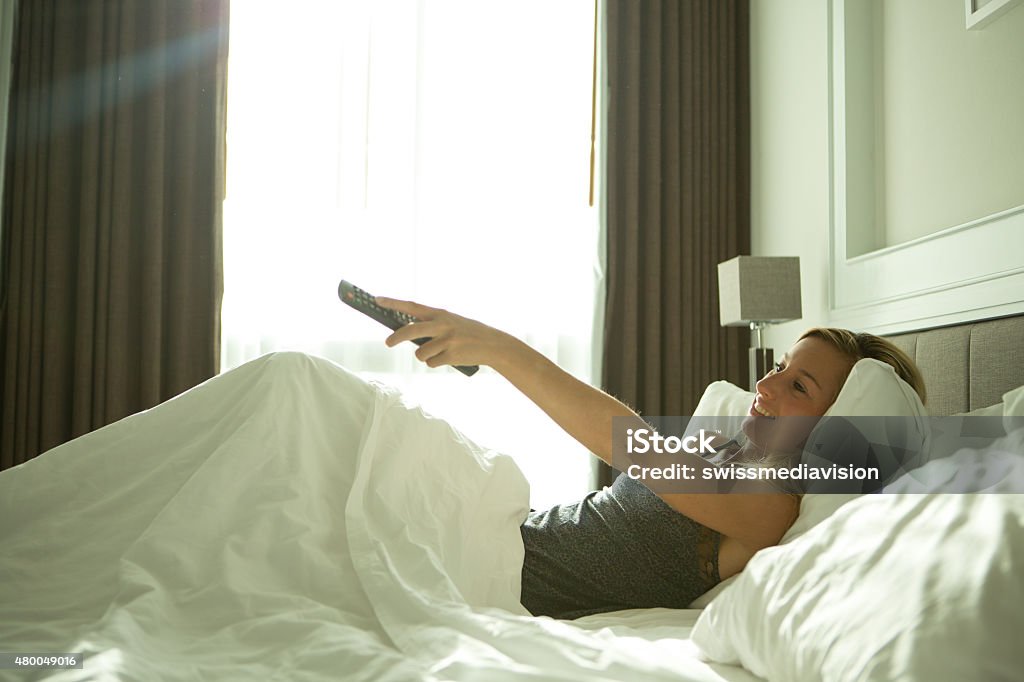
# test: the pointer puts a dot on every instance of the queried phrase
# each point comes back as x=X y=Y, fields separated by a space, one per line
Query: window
x=435 y=151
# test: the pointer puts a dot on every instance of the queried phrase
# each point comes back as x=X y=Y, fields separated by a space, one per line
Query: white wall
x=790 y=131
x=789 y=146
x=952 y=103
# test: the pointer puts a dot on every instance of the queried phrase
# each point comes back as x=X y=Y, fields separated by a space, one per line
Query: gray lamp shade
x=758 y=289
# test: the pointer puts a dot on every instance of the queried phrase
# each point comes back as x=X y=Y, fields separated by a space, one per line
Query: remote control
x=392 y=319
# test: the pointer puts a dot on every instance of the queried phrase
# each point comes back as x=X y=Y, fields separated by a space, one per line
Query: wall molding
x=980 y=15
x=966 y=272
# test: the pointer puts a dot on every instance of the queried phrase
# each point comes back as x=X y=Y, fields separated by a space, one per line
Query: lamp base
x=761 y=361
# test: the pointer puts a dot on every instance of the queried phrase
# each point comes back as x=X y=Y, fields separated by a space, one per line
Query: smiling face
x=804 y=383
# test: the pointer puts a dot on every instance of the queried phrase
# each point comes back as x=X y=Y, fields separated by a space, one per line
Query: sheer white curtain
x=436 y=151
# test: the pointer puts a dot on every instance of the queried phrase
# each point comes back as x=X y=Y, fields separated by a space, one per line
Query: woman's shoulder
x=726 y=449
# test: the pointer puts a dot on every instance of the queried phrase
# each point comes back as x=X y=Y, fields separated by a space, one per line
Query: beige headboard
x=968 y=366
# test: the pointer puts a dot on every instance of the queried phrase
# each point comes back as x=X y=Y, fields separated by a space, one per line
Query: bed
x=228 y=534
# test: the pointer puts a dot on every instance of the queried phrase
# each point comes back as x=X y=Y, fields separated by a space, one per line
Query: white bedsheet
x=287 y=520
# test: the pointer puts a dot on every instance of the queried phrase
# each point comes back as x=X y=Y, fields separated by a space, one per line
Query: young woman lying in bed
x=584 y=558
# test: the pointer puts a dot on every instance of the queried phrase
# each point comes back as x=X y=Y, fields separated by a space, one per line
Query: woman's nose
x=765 y=383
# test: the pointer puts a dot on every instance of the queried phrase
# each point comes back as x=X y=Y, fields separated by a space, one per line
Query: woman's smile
x=758 y=410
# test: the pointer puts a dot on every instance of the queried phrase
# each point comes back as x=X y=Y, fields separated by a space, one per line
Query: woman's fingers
x=453 y=340
x=437 y=352
x=440 y=359
x=414 y=330
x=417 y=310
x=432 y=351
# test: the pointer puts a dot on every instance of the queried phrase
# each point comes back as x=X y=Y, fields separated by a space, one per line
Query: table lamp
x=756 y=291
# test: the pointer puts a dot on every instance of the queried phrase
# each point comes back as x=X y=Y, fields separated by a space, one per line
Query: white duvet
x=287 y=520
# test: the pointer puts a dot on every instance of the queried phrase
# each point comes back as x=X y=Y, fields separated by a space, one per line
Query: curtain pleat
x=678 y=198
x=112 y=218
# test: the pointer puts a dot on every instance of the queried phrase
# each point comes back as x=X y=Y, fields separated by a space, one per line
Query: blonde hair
x=858 y=346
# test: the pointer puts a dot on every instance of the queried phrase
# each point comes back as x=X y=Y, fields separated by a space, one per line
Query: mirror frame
x=971 y=271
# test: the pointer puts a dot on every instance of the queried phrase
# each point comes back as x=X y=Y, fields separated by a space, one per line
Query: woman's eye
x=796 y=384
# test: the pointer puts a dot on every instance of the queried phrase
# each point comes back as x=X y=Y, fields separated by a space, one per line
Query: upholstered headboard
x=968 y=366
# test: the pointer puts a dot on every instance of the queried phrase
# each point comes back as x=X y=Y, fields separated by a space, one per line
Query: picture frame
x=981 y=13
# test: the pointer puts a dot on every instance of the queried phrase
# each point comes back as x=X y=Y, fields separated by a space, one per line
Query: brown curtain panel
x=678 y=198
x=112 y=276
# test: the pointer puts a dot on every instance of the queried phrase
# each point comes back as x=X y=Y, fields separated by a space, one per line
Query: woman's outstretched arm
x=756 y=520
x=583 y=411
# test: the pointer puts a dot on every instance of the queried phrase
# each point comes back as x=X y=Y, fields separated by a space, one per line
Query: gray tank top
x=618 y=548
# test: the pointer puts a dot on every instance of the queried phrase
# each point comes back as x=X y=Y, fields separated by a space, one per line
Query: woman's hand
x=454 y=340
x=583 y=411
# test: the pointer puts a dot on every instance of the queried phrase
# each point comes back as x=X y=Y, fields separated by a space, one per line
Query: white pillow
x=990 y=411
x=984 y=464
x=1013 y=403
x=887 y=587
x=995 y=467
x=722 y=398
x=891 y=587
x=872 y=388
